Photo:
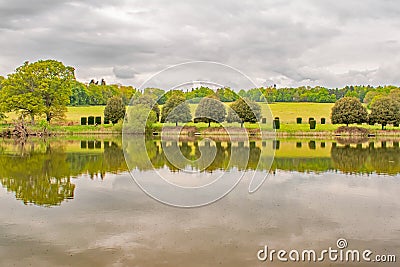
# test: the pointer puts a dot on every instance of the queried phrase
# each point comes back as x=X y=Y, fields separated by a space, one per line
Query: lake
x=72 y=201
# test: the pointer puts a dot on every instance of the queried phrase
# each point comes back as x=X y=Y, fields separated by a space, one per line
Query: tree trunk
x=383 y=126
x=209 y=123
x=32 y=119
x=241 y=124
x=48 y=117
x=176 y=124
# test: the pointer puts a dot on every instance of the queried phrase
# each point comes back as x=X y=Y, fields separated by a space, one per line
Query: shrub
x=312 y=144
x=313 y=124
x=90 y=120
x=115 y=110
x=276 y=124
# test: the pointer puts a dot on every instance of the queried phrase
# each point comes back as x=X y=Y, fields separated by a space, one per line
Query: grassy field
x=287 y=112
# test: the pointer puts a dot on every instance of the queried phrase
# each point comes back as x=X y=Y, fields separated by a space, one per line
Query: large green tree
x=348 y=110
x=150 y=101
x=385 y=110
x=2 y=109
x=38 y=88
x=244 y=111
x=114 y=110
x=210 y=109
x=140 y=119
x=176 y=110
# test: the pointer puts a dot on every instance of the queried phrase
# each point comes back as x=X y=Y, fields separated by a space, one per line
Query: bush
x=115 y=110
x=90 y=120
x=312 y=144
x=98 y=120
x=313 y=124
x=299 y=120
x=276 y=144
x=352 y=130
x=83 y=121
x=276 y=124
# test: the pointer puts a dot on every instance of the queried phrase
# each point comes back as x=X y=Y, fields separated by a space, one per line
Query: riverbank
x=202 y=129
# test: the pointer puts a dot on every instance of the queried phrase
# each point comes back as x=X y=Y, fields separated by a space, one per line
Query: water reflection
x=42 y=172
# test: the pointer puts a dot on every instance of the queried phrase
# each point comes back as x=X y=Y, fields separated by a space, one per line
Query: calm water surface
x=70 y=202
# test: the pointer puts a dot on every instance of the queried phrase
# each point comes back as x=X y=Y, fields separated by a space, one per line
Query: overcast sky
x=289 y=43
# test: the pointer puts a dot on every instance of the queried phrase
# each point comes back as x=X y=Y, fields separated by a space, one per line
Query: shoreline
x=8 y=132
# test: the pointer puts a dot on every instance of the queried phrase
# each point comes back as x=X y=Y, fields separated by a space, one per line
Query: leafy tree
x=115 y=110
x=195 y=95
x=395 y=94
x=163 y=99
x=149 y=101
x=370 y=96
x=140 y=119
x=227 y=95
x=79 y=95
x=42 y=87
x=2 y=109
x=348 y=110
x=154 y=91
x=246 y=111
x=385 y=110
x=210 y=109
x=176 y=110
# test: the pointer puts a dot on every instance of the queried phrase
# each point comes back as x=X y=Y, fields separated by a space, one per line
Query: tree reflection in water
x=42 y=172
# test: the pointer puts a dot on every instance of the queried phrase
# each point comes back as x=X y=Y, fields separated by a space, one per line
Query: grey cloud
x=124 y=72
x=285 y=42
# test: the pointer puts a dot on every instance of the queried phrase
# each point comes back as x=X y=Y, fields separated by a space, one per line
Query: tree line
x=46 y=87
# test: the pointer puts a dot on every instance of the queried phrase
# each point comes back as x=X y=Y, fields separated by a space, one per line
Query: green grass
x=74 y=114
x=287 y=112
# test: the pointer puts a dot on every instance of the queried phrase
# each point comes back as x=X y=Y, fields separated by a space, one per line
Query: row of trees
x=176 y=109
x=46 y=87
x=98 y=94
x=384 y=110
x=210 y=109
